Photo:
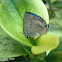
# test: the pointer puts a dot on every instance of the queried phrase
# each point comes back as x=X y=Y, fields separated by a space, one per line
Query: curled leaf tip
x=45 y=43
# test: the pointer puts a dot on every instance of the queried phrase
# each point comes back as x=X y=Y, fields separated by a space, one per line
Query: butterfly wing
x=33 y=25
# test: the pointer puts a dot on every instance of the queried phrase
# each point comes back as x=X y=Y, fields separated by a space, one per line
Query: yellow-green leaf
x=45 y=43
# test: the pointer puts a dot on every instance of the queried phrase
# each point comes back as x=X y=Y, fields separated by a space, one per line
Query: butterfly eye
x=47 y=25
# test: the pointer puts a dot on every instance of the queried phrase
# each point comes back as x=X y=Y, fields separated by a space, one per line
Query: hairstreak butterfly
x=33 y=25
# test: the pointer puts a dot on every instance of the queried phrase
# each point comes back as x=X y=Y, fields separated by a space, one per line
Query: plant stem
x=30 y=54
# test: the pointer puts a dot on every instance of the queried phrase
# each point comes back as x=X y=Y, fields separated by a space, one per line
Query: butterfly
x=33 y=25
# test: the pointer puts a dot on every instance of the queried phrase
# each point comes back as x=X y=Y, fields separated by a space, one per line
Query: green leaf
x=45 y=43
x=9 y=47
x=11 y=17
x=55 y=57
